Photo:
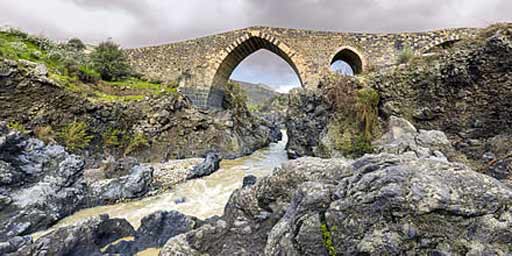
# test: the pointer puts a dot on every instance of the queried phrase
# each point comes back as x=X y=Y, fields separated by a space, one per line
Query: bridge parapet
x=206 y=62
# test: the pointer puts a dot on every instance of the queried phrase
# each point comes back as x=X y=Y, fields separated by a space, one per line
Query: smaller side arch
x=352 y=57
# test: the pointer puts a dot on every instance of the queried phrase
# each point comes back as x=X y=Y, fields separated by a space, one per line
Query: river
x=204 y=197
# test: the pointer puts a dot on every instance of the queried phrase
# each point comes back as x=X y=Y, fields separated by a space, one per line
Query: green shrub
x=74 y=135
x=339 y=92
x=405 y=55
x=15 y=125
x=110 y=61
x=45 y=133
x=348 y=139
x=234 y=97
x=19 y=46
x=327 y=238
x=71 y=66
x=88 y=75
x=360 y=146
x=137 y=142
x=253 y=107
x=112 y=137
x=76 y=44
x=367 y=100
x=343 y=142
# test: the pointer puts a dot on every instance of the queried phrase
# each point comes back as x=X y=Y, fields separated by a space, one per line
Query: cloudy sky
x=135 y=23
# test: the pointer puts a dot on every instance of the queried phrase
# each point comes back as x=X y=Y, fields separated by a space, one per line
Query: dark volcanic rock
x=87 y=238
x=158 y=227
x=134 y=185
x=14 y=244
x=40 y=184
x=307 y=116
x=249 y=180
x=464 y=92
x=207 y=167
x=192 y=132
x=412 y=202
x=155 y=230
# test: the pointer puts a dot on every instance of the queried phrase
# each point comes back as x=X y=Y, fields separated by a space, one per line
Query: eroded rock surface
x=307 y=116
x=86 y=238
x=464 y=92
x=406 y=201
x=155 y=230
x=40 y=184
x=174 y=129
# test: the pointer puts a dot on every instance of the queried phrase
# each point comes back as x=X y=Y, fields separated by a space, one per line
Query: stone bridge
x=201 y=66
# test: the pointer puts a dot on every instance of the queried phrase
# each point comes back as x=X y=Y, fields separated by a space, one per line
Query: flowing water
x=204 y=197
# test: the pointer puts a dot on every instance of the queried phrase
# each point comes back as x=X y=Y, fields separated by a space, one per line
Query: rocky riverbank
x=41 y=184
x=416 y=160
x=464 y=91
x=154 y=129
x=413 y=201
x=407 y=198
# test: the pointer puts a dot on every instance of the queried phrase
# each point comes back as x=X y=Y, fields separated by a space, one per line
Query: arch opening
x=265 y=69
x=347 y=62
x=342 y=67
x=244 y=50
x=237 y=54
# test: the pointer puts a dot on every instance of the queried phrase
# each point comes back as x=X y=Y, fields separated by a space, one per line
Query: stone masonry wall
x=206 y=62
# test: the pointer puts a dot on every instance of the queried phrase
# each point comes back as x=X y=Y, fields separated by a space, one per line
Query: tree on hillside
x=110 y=61
x=76 y=44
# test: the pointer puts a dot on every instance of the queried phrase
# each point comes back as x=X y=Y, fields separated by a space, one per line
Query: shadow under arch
x=352 y=57
x=237 y=52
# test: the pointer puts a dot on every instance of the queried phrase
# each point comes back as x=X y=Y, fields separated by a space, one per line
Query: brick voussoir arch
x=227 y=60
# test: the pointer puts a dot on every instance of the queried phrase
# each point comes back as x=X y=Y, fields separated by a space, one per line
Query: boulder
x=39 y=184
x=172 y=172
x=249 y=180
x=403 y=137
x=14 y=244
x=86 y=238
x=134 y=185
x=207 y=167
x=155 y=230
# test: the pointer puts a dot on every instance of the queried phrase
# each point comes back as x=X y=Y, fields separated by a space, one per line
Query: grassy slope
x=17 y=46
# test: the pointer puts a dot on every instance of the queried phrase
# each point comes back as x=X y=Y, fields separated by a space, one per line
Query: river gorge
x=202 y=198
x=410 y=158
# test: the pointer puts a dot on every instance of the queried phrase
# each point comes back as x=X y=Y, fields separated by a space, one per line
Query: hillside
x=54 y=87
x=257 y=94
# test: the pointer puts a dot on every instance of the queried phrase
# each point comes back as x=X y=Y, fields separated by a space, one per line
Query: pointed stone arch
x=246 y=45
x=352 y=57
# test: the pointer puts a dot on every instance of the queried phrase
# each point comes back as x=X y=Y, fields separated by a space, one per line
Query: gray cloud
x=145 y=22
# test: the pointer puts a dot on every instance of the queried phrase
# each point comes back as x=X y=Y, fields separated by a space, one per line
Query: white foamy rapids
x=204 y=197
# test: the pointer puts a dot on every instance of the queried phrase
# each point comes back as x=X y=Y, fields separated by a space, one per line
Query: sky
x=134 y=23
